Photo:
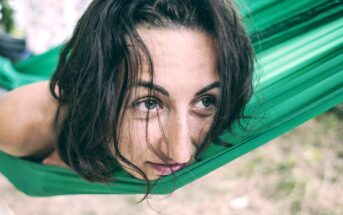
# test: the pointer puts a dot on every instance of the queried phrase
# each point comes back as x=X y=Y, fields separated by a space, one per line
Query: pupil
x=207 y=102
x=150 y=104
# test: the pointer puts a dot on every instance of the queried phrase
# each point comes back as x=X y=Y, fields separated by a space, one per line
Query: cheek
x=133 y=140
x=129 y=137
x=199 y=127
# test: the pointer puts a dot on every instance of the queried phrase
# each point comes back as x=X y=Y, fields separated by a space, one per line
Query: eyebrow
x=156 y=87
x=149 y=85
x=207 y=88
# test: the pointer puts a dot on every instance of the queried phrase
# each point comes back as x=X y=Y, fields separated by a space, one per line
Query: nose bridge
x=179 y=140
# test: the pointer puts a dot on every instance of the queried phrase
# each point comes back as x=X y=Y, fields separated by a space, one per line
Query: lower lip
x=166 y=170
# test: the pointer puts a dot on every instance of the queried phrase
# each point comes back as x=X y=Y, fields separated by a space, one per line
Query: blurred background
x=42 y=24
x=298 y=173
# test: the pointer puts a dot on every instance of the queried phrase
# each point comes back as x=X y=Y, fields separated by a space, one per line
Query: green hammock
x=299 y=75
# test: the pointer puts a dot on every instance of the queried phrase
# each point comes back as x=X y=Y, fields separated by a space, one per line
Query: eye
x=205 y=102
x=147 y=104
x=205 y=105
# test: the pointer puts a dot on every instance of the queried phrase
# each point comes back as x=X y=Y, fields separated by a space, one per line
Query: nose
x=177 y=140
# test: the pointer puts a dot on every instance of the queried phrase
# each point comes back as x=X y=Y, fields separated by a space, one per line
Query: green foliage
x=286 y=166
x=285 y=186
x=6 y=13
x=295 y=207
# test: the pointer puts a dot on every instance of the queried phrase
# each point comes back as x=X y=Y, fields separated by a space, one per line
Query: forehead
x=181 y=57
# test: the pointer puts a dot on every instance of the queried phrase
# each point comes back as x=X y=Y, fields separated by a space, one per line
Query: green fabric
x=299 y=75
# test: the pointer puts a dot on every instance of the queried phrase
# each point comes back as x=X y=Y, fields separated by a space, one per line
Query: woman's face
x=181 y=105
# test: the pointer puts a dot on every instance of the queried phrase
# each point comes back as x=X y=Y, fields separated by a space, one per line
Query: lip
x=164 y=169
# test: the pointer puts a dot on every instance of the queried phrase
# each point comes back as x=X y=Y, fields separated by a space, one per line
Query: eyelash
x=206 y=111
x=144 y=100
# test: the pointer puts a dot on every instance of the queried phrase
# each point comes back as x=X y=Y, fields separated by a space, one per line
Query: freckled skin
x=184 y=63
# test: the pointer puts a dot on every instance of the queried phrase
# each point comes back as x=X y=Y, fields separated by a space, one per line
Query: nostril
x=182 y=157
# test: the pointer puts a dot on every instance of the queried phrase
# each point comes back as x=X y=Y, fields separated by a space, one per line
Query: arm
x=27 y=114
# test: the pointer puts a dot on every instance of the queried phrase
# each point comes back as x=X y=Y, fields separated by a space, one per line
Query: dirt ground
x=298 y=173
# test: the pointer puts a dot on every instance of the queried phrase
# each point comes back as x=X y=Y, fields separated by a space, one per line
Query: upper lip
x=167 y=169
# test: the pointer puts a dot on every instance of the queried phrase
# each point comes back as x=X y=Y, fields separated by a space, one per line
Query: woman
x=143 y=84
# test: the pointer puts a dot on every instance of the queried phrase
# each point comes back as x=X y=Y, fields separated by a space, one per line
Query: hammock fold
x=299 y=74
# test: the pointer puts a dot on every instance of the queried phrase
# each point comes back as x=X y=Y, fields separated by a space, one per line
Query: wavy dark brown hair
x=102 y=59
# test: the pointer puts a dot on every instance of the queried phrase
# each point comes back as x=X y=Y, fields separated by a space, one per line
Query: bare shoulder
x=27 y=114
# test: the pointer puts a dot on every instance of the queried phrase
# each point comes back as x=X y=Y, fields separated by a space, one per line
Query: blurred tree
x=6 y=13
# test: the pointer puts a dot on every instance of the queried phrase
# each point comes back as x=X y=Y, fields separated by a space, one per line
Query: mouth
x=165 y=169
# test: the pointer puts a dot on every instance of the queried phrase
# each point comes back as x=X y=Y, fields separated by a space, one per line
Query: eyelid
x=143 y=99
x=205 y=111
x=147 y=97
x=196 y=100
